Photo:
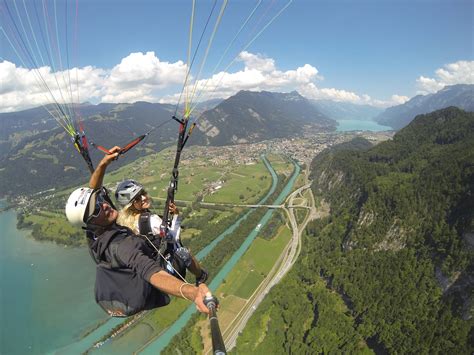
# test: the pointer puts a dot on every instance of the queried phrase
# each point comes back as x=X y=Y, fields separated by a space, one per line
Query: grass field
x=222 y=183
x=299 y=181
x=52 y=158
x=255 y=265
x=298 y=201
x=189 y=233
x=230 y=306
x=242 y=184
x=52 y=225
x=307 y=195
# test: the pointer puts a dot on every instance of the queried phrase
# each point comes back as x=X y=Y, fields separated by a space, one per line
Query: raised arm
x=97 y=176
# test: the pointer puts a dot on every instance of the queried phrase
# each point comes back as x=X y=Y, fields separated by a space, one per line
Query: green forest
x=390 y=270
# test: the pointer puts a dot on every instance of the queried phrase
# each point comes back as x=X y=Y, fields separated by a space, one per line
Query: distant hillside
x=37 y=154
x=249 y=117
x=16 y=126
x=461 y=96
x=346 y=111
x=392 y=267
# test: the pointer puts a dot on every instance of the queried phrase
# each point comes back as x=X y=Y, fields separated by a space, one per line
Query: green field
x=213 y=183
x=255 y=264
x=242 y=184
x=189 y=233
x=298 y=201
x=50 y=225
x=52 y=158
x=300 y=181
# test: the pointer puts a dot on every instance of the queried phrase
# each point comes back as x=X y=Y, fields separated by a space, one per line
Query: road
x=284 y=263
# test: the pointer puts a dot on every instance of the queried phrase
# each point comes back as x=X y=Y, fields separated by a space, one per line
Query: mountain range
x=461 y=96
x=36 y=154
x=346 y=110
x=33 y=149
x=250 y=117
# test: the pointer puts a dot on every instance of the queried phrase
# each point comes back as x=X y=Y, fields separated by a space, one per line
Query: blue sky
x=363 y=51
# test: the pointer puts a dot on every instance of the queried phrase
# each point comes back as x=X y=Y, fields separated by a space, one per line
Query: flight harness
x=172 y=251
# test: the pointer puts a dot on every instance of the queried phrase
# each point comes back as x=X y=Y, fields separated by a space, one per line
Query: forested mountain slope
x=391 y=269
x=38 y=155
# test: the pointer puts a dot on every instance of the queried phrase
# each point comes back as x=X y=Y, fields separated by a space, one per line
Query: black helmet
x=126 y=191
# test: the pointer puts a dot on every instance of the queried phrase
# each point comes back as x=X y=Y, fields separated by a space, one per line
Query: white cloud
x=259 y=73
x=138 y=75
x=399 y=99
x=136 y=78
x=311 y=91
x=258 y=62
x=144 y=77
x=460 y=72
x=24 y=88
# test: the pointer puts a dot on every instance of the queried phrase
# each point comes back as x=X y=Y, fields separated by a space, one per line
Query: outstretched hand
x=203 y=291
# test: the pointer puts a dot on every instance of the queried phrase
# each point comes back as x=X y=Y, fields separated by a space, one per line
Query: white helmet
x=77 y=205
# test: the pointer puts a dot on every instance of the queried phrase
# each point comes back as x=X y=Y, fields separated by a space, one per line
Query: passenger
x=135 y=214
x=129 y=278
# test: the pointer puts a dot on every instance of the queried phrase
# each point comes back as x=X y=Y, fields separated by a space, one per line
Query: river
x=46 y=294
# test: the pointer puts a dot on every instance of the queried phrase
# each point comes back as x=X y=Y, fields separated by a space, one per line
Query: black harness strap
x=183 y=137
x=144 y=224
x=80 y=141
x=145 y=229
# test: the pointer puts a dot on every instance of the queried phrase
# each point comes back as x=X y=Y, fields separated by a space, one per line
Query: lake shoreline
x=31 y=279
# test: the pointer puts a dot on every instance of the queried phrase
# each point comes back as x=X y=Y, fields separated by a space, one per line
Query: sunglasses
x=96 y=201
x=141 y=197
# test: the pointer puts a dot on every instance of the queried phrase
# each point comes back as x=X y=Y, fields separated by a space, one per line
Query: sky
x=377 y=52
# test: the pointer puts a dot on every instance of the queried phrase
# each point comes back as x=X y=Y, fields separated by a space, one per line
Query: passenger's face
x=142 y=202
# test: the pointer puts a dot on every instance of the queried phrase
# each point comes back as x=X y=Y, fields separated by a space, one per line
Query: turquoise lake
x=46 y=294
x=354 y=125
